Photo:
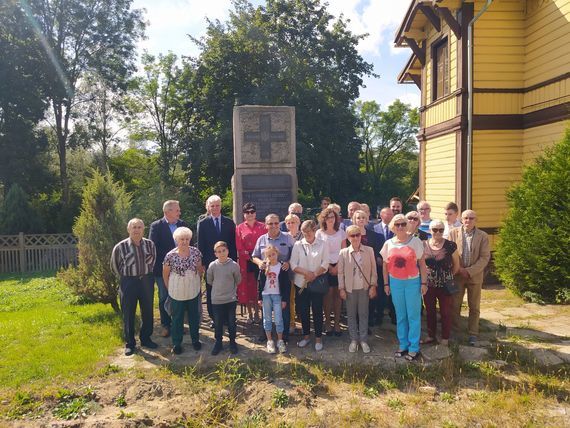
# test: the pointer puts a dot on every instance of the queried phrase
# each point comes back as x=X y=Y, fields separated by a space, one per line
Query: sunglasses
x=329 y=217
x=400 y=224
x=413 y=219
x=249 y=212
x=355 y=235
x=273 y=223
x=437 y=230
x=468 y=218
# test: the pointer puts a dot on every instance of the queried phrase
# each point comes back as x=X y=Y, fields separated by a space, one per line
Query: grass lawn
x=46 y=337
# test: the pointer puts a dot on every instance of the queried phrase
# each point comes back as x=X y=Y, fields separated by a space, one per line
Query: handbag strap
x=359 y=268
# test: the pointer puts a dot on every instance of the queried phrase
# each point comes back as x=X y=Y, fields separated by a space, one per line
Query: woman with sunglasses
x=414 y=221
x=376 y=241
x=335 y=238
x=247 y=234
x=405 y=277
x=442 y=260
x=357 y=283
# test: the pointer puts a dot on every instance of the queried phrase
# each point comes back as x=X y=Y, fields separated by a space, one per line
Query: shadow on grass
x=25 y=278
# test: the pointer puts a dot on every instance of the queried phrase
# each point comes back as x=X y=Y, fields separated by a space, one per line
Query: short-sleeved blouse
x=184 y=280
x=334 y=243
x=402 y=258
x=439 y=263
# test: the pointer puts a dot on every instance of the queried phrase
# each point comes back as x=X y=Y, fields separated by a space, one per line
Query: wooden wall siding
x=452 y=60
x=441 y=112
x=498 y=103
x=547 y=36
x=499 y=37
x=540 y=137
x=440 y=172
x=497 y=158
x=547 y=96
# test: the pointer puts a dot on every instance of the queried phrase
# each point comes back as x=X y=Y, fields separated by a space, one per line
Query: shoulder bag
x=320 y=285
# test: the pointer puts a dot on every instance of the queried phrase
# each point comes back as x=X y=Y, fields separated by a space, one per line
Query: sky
x=170 y=22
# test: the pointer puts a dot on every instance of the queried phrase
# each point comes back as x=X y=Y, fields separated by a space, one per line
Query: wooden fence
x=36 y=253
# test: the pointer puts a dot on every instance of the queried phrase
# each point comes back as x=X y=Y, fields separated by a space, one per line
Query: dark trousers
x=305 y=300
x=224 y=313
x=209 y=301
x=445 y=304
x=179 y=308
x=165 y=319
x=133 y=290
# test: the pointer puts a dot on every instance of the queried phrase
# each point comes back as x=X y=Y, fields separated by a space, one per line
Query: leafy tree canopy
x=288 y=52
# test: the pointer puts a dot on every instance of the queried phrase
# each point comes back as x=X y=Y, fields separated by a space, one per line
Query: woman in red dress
x=247 y=234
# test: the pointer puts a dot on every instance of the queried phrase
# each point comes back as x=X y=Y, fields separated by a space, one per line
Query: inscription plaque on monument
x=264 y=159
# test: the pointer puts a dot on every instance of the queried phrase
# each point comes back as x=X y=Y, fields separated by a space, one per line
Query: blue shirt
x=284 y=243
x=424 y=227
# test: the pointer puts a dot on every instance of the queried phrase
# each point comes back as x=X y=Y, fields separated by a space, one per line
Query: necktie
x=217 y=225
x=386 y=232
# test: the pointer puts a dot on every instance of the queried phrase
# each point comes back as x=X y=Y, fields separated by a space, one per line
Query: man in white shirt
x=451 y=213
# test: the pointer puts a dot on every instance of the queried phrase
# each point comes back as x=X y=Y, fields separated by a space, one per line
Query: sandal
x=399 y=353
x=415 y=357
x=428 y=340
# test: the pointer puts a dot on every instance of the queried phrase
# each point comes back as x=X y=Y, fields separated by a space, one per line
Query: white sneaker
x=281 y=346
x=318 y=346
x=271 y=347
x=365 y=347
x=304 y=342
x=353 y=346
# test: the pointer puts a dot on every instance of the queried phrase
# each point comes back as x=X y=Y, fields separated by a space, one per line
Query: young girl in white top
x=273 y=293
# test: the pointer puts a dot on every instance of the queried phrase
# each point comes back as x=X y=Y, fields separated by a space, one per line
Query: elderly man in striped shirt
x=133 y=260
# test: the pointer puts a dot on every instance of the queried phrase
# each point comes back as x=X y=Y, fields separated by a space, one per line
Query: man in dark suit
x=211 y=229
x=161 y=234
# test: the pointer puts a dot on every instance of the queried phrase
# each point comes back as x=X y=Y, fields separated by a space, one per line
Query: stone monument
x=264 y=159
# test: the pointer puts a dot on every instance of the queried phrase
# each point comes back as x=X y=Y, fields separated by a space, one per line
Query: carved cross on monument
x=264 y=137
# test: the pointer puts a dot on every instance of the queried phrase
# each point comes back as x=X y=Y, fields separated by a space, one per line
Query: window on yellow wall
x=440 y=69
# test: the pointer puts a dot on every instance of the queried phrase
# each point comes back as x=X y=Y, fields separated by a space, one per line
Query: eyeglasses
x=468 y=218
x=424 y=209
x=249 y=212
x=297 y=214
x=273 y=223
x=329 y=217
x=412 y=219
x=437 y=230
x=355 y=235
x=400 y=224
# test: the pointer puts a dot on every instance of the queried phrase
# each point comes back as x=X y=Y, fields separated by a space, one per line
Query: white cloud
x=378 y=18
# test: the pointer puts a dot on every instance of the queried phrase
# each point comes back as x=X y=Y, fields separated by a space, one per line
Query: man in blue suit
x=161 y=234
x=211 y=229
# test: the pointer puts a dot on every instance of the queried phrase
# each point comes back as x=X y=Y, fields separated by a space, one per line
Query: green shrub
x=16 y=213
x=532 y=255
x=100 y=225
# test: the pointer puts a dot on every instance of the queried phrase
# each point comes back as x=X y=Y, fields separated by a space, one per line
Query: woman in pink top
x=246 y=237
x=405 y=277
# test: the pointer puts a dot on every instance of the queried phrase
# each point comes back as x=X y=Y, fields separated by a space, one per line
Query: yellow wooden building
x=473 y=148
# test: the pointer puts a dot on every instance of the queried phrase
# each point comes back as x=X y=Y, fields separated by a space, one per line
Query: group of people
x=289 y=270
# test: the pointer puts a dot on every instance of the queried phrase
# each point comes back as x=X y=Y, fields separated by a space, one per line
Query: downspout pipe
x=469 y=181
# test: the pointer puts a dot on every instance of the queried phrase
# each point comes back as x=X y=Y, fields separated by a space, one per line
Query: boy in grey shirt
x=224 y=275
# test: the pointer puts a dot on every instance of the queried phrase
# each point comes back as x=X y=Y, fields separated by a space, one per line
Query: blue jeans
x=165 y=319
x=272 y=302
x=407 y=298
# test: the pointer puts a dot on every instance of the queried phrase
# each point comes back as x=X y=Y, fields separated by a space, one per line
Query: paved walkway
x=542 y=330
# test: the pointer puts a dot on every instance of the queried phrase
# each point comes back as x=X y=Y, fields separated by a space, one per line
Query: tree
x=102 y=223
x=98 y=118
x=22 y=103
x=158 y=98
x=79 y=37
x=388 y=145
x=531 y=256
x=16 y=214
x=289 y=52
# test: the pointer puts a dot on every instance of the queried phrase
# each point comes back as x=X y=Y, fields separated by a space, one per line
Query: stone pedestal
x=264 y=160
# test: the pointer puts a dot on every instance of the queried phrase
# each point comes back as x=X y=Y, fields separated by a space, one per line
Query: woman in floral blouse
x=442 y=260
x=181 y=272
